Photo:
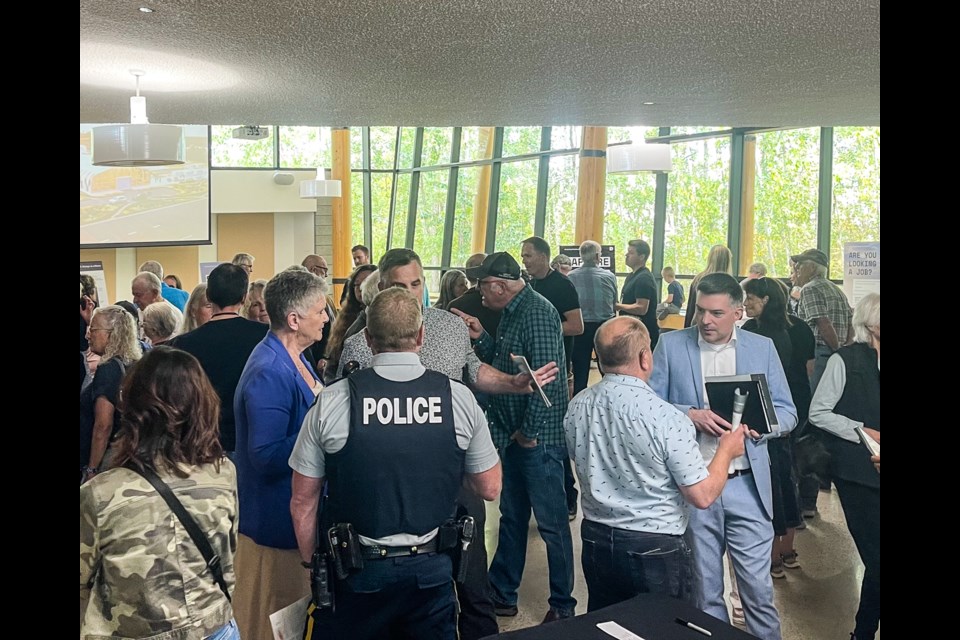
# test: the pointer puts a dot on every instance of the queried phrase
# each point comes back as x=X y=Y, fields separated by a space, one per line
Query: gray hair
x=242 y=258
x=590 y=251
x=292 y=291
x=394 y=319
x=819 y=271
x=152 y=266
x=122 y=343
x=369 y=288
x=866 y=315
x=150 y=279
x=758 y=268
x=160 y=321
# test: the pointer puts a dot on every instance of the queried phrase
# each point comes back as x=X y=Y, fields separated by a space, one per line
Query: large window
x=628 y=211
x=476 y=143
x=697 y=203
x=305 y=147
x=468 y=183
x=856 y=190
x=381 y=184
x=785 y=211
x=520 y=140
x=517 y=205
x=561 y=212
x=436 y=146
x=431 y=212
x=401 y=205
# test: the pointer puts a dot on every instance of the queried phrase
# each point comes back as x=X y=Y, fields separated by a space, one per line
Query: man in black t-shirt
x=640 y=294
x=224 y=343
x=554 y=286
x=471 y=303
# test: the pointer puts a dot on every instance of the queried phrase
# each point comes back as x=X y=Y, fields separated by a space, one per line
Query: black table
x=650 y=616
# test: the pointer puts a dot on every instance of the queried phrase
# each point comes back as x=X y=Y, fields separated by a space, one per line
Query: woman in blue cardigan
x=275 y=391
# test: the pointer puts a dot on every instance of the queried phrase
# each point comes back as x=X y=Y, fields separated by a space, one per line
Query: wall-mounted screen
x=142 y=206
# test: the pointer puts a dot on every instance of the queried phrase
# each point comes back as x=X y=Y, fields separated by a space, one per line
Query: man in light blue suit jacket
x=739 y=522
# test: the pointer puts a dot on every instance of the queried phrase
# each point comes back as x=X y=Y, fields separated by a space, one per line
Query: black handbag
x=198 y=537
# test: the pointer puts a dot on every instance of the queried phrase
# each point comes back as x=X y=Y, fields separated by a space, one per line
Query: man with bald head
x=316 y=265
x=639 y=465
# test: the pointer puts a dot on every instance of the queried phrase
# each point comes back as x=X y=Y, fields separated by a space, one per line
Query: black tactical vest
x=401 y=468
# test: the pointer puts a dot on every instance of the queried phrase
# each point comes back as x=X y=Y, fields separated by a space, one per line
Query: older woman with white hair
x=112 y=335
x=848 y=398
x=160 y=321
x=275 y=391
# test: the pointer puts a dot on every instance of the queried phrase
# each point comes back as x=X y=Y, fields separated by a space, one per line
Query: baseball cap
x=496 y=265
x=813 y=255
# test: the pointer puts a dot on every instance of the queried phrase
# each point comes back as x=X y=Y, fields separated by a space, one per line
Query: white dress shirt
x=718 y=360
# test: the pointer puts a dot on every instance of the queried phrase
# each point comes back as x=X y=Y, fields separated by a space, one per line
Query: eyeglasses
x=95 y=329
x=319 y=270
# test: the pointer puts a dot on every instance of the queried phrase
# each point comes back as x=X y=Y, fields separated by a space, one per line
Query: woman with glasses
x=141 y=573
x=244 y=261
x=112 y=335
x=275 y=391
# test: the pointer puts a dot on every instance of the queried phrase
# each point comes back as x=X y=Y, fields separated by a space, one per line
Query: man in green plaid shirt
x=528 y=434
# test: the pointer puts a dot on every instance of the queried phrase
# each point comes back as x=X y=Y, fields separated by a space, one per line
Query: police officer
x=394 y=442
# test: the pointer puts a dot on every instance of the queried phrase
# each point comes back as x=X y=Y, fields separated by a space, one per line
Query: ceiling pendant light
x=320 y=187
x=138 y=144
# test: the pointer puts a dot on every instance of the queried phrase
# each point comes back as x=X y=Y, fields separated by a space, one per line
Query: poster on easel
x=861 y=270
x=94 y=268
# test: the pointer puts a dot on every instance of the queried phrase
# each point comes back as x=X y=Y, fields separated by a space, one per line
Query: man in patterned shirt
x=528 y=433
x=639 y=463
x=823 y=306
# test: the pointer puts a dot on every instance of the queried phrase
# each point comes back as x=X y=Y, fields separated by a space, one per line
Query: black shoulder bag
x=198 y=537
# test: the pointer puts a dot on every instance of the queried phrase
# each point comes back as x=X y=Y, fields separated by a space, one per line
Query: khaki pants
x=268 y=580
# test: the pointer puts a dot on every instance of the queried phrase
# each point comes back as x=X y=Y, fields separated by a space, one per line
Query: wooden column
x=481 y=200
x=591 y=185
x=341 y=262
x=747 y=202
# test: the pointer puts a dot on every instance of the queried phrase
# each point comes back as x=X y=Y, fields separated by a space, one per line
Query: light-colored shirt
x=597 y=289
x=326 y=428
x=446 y=347
x=718 y=360
x=826 y=397
x=632 y=450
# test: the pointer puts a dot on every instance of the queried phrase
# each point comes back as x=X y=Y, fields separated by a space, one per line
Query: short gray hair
x=865 y=316
x=590 y=251
x=152 y=266
x=242 y=258
x=394 y=319
x=820 y=271
x=150 y=279
x=161 y=321
x=369 y=288
x=292 y=291
x=758 y=268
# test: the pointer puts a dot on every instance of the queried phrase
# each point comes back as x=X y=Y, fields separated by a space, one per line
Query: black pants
x=582 y=353
x=477 y=617
x=861 y=508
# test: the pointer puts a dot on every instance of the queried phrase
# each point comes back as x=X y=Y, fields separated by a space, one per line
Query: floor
x=817 y=601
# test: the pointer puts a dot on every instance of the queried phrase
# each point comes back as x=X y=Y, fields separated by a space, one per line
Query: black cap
x=812 y=255
x=496 y=265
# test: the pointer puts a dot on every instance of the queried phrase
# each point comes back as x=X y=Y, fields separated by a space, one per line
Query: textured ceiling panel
x=456 y=62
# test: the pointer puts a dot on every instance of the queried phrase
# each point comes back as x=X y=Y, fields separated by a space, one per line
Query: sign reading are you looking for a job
x=861 y=270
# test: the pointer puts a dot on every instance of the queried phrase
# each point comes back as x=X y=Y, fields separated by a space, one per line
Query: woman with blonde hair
x=112 y=335
x=198 y=310
x=453 y=284
x=254 y=306
x=719 y=260
x=142 y=574
x=352 y=307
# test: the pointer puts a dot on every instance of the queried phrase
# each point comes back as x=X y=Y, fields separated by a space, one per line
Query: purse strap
x=198 y=537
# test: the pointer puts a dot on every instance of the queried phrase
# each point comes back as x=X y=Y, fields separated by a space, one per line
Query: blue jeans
x=620 y=564
x=533 y=480
x=228 y=631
